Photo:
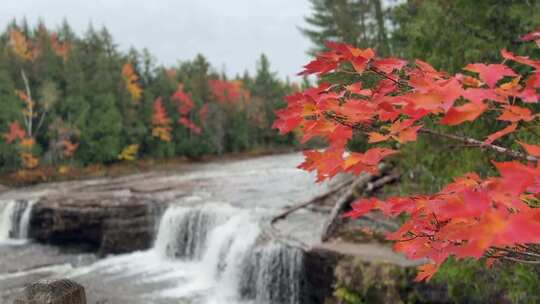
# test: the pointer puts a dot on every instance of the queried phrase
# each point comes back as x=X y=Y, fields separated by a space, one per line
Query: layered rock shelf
x=101 y=222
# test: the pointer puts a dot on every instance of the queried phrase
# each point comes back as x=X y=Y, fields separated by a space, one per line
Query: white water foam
x=232 y=263
x=15 y=220
x=7 y=210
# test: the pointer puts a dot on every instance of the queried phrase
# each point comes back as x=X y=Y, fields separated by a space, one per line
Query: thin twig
x=481 y=144
x=520 y=260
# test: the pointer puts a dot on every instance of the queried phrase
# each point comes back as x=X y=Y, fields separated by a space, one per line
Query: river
x=210 y=246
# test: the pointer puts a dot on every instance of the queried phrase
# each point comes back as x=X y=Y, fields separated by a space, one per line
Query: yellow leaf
x=28 y=160
x=27 y=143
x=130 y=80
x=129 y=153
x=63 y=169
x=163 y=133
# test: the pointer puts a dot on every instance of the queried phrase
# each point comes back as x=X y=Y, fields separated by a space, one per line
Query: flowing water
x=14 y=220
x=210 y=247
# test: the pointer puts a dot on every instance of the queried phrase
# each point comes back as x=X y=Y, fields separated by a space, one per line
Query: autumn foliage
x=390 y=101
x=226 y=92
x=131 y=82
x=185 y=106
x=33 y=111
x=161 y=122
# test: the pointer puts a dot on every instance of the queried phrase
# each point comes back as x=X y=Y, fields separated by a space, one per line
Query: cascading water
x=15 y=219
x=272 y=274
x=24 y=222
x=234 y=262
x=184 y=231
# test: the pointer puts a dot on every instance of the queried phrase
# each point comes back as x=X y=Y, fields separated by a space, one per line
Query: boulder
x=340 y=272
x=101 y=222
x=53 y=292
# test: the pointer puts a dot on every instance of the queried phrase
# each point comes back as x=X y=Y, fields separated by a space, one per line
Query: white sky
x=231 y=34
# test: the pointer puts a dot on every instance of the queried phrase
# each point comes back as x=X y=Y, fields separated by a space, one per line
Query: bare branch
x=481 y=144
x=520 y=260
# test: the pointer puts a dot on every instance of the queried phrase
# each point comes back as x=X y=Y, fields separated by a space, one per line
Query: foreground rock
x=53 y=292
x=341 y=272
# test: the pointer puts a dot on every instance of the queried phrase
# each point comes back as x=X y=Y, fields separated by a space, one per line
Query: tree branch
x=467 y=140
x=481 y=144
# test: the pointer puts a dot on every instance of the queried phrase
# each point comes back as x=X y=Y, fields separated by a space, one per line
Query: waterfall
x=273 y=274
x=24 y=222
x=15 y=219
x=183 y=231
x=7 y=209
x=237 y=264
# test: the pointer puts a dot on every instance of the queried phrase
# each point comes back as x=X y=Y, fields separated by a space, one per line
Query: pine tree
x=449 y=34
x=359 y=23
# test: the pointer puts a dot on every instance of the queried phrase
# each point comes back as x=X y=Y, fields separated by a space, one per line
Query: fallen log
x=364 y=184
x=358 y=185
x=314 y=200
x=379 y=183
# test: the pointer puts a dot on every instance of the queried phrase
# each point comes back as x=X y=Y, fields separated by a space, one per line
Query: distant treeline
x=66 y=98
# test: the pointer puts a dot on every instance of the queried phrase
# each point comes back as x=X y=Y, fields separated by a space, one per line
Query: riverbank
x=67 y=172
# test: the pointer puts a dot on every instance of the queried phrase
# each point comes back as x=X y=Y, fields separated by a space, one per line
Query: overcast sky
x=230 y=33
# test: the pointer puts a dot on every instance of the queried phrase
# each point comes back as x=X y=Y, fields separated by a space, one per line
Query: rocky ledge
x=107 y=216
x=107 y=224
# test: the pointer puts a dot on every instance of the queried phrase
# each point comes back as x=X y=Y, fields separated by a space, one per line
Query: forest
x=77 y=100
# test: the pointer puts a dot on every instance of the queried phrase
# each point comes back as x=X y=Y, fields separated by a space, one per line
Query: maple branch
x=467 y=140
x=384 y=75
x=481 y=144
x=520 y=260
x=510 y=251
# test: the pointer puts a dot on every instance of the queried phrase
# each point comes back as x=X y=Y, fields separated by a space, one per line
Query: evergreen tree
x=359 y=23
x=449 y=34
x=10 y=111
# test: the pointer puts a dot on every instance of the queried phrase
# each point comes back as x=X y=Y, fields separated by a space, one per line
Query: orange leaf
x=426 y=271
x=27 y=143
x=130 y=80
x=429 y=101
x=19 y=45
x=375 y=137
x=532 y=150
x=407 y=135
x=515 y=114
x=509 y=129
x=466 y=112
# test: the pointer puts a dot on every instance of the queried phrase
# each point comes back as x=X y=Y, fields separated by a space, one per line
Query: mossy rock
x=358 y=282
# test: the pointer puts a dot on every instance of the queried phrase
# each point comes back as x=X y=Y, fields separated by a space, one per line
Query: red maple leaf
x=490 y=73
x=493 y=137
x=15 y=133
x=466 y=112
